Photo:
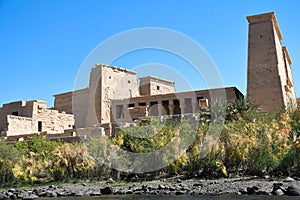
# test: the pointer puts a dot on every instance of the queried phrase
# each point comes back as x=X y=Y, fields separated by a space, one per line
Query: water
x=170 y=197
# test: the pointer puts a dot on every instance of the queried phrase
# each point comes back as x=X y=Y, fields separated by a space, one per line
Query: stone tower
x=269 y=81
x=107 y=83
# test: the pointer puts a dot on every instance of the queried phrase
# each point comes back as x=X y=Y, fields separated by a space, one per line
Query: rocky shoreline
x=175 y=186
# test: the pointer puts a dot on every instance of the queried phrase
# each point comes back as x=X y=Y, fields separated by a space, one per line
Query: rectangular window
x=165 y=104
x=203 y=103
x=131 y=105
x=16 y=113
x=177 y=110
x=198 y=101
x=188 y=105
x=153 y=108
x=142 y=104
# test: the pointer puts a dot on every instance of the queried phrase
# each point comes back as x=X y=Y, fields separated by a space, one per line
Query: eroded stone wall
x=129 y=110
x=17 y=125
x=51 y=120
x=107 y=83
x=63 y=102
x=269 y=80
x=21 y=118
x=75 y=103
x=150 y=85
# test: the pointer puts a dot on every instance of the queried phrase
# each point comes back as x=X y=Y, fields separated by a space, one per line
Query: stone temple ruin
x=116 y=97
x=23 y=118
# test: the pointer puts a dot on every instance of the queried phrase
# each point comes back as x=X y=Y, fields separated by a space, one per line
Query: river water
x=167 y=197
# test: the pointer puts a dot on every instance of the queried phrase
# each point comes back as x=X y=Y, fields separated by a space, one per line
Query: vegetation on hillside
x=249 y=143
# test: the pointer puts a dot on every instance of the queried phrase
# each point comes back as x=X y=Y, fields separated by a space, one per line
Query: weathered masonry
x=184 y=104
x=92 y=106
x=115 y=95
x=270 y=82
x=28 y=117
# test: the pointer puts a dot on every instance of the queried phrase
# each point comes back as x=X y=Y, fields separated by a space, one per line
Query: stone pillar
x=160 y=108
x=182 y=106
x=171 y=108
x=195 y=106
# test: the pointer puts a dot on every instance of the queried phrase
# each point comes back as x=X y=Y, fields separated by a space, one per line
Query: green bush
x=250 y=143
x=9 y=155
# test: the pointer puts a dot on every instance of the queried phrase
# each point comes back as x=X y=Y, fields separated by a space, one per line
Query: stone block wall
x=128 y=110
x=107 y=83
x=150 y=85
x=21 y=118
x=52 y=121
x=92 y=106
x=17 y=125
x=63 y=102
x=269 y=79
x=73 y=103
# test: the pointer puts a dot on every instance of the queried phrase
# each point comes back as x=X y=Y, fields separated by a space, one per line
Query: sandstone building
x=28 y=117
x=183 y=104
x=115 y=96
x=270 y=81
x=91 y=106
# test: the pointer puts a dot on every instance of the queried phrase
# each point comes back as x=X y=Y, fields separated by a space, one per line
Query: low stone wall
x=17 y=125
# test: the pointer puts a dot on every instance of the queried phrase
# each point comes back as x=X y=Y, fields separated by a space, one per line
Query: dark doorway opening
x=165 y=105
x=177 y=110
x=154 y=108
x=40 y=126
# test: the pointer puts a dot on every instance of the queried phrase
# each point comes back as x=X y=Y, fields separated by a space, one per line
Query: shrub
x=8 y=156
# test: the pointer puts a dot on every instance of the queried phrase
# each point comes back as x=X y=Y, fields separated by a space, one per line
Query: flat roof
x=264 y=15
x=71 y=92
x=157 y=79
x=182 y=93
x=116 y=68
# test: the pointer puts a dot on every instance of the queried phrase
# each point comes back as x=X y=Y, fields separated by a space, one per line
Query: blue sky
x=44 y=43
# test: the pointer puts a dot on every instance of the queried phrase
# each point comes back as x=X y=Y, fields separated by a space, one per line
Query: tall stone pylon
x=269 y=75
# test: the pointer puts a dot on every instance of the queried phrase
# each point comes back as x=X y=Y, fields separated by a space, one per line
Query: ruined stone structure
x=183 y=104
x=151 y=85
x=114 y=96
x=91 y=106
x=270 y=81
x=28 y=117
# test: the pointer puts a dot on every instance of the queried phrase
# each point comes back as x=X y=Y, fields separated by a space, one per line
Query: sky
x=44 y=45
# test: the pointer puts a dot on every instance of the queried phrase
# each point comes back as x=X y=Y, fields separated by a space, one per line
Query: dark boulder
x=106 y=190
x=3 y=197
x=251 y=190
x=180 y=192
x=293 y=190
x=51 y=194
x=277 y=189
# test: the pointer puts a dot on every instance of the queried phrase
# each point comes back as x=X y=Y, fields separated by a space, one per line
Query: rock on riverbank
x=174 y=186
